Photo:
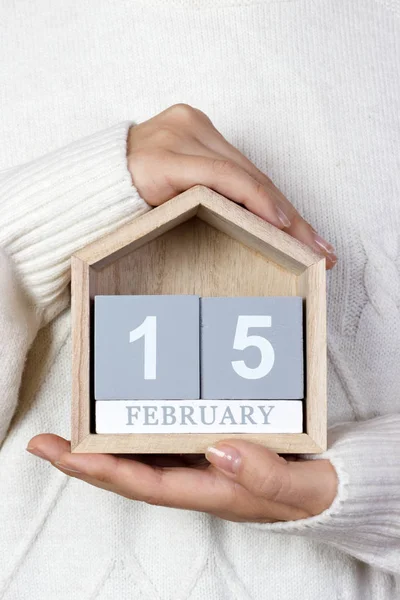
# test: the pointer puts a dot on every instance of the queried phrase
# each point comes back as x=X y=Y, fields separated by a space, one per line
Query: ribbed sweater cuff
x=60 y=202
x=364 y=518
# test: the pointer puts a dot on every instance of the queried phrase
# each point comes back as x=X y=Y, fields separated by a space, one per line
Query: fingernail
x=224 y=457
x=333 y=259
x=282 y=216
x=324 y=245
x=36 y=452
x=60 y=465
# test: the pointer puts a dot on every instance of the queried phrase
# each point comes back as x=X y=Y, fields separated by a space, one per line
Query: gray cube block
x=146 y=347
x=252 y=348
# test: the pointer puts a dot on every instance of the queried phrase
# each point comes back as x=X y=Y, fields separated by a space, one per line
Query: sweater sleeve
x=19 y=323
x=364 y=518
x=56 y=204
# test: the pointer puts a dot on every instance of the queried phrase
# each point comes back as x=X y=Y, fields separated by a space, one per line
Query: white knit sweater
x=308 y=90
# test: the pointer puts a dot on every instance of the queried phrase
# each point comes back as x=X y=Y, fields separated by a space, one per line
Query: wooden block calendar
x=232 y=309
x=159 y=348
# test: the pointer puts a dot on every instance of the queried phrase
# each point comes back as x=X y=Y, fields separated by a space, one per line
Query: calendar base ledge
x=191 y=443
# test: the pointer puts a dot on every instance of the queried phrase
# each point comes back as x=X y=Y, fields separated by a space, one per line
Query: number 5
x=243 y=340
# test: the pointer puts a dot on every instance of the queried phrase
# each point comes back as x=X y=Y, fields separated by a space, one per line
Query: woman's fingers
x=48 y=446
x=180 y=148
x=303 y=232
x=178 y=172
x=178 y=487
x=205 y=490
x=299 y=228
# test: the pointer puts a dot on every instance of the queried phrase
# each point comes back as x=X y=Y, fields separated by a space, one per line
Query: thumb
x=309 y=485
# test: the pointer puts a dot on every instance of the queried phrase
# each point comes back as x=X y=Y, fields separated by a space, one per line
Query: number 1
x=148 y=330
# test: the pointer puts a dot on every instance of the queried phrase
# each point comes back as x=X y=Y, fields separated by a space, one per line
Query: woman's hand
x=244 y=482
x=180 y=148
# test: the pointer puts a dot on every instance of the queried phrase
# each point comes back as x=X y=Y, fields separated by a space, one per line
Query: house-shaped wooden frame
x=198 y=243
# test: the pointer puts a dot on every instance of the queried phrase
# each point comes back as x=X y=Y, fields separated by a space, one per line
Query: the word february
x=168 y=414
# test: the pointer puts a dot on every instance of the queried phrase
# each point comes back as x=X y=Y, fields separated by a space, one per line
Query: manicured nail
x=60 y=465
x=333 y=259
x=282 y=216
x=36 y=452
x=324 y=245
x=224 y=457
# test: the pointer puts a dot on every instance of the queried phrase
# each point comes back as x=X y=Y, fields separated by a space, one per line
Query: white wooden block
x=199 y=416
